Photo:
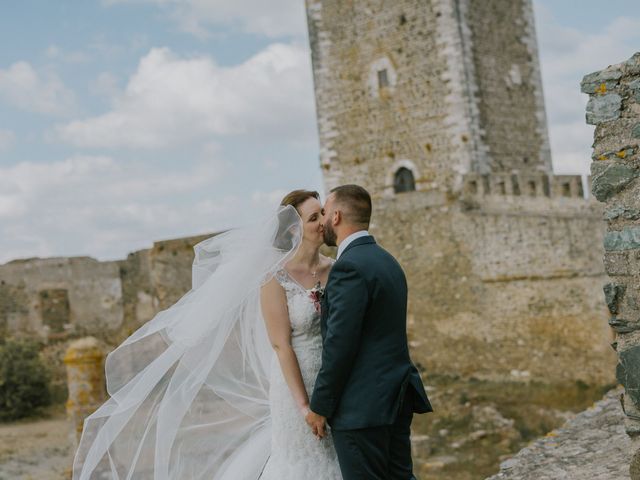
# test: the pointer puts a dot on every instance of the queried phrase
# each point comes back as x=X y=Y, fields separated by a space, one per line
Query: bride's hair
x=298 y=197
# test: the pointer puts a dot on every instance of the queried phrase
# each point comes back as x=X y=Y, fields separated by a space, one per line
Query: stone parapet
x=523 y=184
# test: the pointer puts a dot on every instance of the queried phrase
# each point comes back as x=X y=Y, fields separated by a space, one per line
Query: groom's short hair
x=355 y=202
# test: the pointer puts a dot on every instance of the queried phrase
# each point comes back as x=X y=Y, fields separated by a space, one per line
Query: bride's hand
x=317 y=424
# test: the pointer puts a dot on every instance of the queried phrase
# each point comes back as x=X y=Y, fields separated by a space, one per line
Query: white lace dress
x=295 y=452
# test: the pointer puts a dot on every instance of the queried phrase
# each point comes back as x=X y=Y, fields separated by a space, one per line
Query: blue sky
x=128 y=121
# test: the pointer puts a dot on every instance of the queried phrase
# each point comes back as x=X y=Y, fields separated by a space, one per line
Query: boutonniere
x=316 y=294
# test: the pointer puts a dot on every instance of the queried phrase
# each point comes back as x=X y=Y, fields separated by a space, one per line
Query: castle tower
x=436 y=107
x=413 y=94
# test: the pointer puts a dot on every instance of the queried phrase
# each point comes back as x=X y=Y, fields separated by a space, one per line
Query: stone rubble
x=593 y=445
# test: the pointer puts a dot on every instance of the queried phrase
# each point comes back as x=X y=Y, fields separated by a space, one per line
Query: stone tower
x=436 y=107
x=425 y=91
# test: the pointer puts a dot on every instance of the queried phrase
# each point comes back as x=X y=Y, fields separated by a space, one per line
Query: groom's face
x=329 y=234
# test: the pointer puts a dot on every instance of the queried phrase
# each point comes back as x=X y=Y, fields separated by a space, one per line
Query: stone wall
x=503 y=48
x=52 y=297
x=367 y=131
x=63 y=298
x=614 y=108
x=503 y=288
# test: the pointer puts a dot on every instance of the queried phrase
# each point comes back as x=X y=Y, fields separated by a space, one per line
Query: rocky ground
x=477 y=425
x=36 y=449
x=593 y=445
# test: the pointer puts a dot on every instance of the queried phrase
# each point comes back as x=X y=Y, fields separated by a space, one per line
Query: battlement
x=519 y=184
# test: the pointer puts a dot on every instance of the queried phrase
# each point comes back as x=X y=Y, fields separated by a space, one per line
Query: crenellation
x=540 y=185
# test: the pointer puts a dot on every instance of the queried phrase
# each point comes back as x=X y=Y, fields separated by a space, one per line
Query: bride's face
x=311 y=213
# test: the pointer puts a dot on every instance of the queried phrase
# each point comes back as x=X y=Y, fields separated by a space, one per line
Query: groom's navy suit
x=367 y=387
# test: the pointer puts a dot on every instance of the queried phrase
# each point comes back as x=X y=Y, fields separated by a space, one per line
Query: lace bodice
x=303 y=315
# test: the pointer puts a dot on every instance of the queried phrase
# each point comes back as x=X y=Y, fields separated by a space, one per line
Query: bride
x=198 y=392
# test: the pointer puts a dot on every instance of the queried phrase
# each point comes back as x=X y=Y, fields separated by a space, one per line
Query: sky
x=123 y=122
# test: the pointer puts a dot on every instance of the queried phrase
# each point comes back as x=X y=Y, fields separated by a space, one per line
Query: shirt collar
x=345 y=243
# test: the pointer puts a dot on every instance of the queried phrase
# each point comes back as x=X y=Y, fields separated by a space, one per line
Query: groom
x=367 y=388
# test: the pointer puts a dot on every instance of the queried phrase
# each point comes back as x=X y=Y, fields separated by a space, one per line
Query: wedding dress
x=190 y=394
x=295 y=452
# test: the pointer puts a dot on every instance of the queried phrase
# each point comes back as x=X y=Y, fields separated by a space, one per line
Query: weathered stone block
x=608 y=178
x=636 y=131
x=628 y=372
x=593 y=82
x=613 y=293
x=626 y=239
x=621 y=325
x=620 y=211
x=603 y=108
x=617 y=263
x=618 y=154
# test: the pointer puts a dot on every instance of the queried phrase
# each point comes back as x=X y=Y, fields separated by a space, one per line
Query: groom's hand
x=317 y=424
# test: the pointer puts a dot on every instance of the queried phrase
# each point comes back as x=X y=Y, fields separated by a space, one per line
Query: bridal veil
x=189 y=389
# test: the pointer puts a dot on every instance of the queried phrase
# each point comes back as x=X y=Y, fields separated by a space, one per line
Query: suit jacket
x=366 y=369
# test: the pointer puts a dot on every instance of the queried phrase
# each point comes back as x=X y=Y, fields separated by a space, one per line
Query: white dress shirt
x=345 y=243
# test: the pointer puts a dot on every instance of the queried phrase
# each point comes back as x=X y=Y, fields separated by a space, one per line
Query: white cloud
x=23 y=87
x=105 y=84
x=54 y=52
x=98 y=206
x=272 y=198
x=567 y=55
x=273 y=18
x=171 y=101
x=7 y=137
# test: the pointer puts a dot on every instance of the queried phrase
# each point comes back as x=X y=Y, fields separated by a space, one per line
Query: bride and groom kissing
x=335 y=401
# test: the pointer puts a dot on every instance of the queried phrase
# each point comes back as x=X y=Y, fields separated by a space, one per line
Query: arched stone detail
x=391 y=175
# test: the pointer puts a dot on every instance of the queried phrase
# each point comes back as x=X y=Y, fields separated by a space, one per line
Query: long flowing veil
x=189 y=389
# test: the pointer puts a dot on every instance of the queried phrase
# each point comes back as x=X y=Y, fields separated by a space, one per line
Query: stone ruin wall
x=614 y=109
x=502 y=286
x=57 y=299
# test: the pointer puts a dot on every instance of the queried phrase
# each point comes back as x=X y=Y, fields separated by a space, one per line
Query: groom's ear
x=337 y=217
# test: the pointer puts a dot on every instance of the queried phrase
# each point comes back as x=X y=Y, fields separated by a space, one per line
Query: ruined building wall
x=63 y=298
x=49 y=296
x=501 y=286
x=614 y=108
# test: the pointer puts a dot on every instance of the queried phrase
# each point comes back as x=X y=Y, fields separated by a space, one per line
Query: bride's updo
x=298 y=197
x=285 y=237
